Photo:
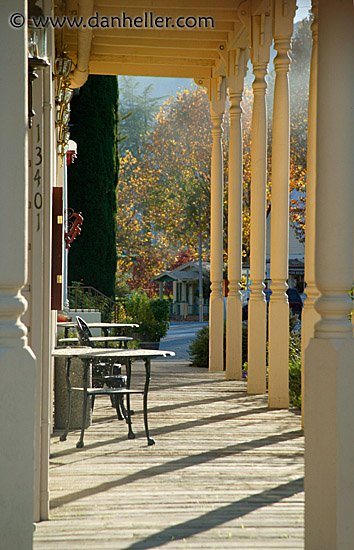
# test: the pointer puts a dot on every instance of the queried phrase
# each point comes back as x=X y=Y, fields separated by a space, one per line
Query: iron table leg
x=80 y=443
x=147 y=363
x=128 y=412
x=68 y=386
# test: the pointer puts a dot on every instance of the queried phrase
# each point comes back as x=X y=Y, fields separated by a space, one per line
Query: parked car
x=294 y=298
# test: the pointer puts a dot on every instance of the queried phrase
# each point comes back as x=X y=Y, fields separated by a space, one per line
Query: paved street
x=179 y=337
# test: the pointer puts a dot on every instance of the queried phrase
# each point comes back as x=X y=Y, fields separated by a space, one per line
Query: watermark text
x=147 y=20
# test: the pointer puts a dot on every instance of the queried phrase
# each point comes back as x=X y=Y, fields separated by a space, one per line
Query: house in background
x=185 y=281
x=296 y=254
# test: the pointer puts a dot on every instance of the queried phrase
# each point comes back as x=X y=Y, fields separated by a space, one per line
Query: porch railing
x=88 y=297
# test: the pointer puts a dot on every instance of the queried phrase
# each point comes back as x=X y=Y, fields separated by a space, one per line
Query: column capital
x=217 y=88
x=261 y=38
x=237 y=69
x=283 y=17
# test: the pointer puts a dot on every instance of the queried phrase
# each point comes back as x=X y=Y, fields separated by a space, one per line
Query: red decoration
x=75 y=222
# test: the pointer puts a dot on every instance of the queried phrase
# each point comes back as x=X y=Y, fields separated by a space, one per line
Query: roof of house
x=177 y=276
x=185 y=272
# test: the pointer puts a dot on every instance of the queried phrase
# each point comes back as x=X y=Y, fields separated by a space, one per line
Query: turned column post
x=261 y=40
x=184 y=299
x=278 y=389
x=17 y=362
x=329 y=381
x=217 y=96
x=309 y=315
x=237 y=68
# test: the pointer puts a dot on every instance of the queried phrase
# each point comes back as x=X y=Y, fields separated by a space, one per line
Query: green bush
x=199 y=347
x=199 y=354
x=150 y=314
x=295 y=369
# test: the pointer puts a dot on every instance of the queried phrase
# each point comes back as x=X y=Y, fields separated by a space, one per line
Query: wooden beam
x=166 y=11
x=98 y=49
x=174 y=4
x=170 y=71
x=161 y=43
x=179 y=35
x=149 y=60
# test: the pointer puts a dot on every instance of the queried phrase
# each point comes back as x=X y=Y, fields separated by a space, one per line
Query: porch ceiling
x=170 y=52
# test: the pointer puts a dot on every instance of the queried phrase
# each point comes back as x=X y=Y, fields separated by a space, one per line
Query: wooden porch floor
x=225 y=473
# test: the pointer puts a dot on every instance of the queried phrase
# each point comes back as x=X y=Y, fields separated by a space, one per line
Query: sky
x=303 y=7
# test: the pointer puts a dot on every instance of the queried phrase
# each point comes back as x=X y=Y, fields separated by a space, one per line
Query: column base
x=17 y=419
x=329 y=444
x=308 y=320
x=234 y=338
x=216 y=335
x=278 y=355
x=256 y=347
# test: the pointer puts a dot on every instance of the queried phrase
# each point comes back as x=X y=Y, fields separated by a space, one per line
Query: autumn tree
x=137 y=109
x=169 y=185
x=179 y=147
x=164 y=197
x=142 y=252
x=299 y=89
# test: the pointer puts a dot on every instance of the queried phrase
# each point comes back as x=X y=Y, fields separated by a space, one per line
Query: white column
x=309 y=315
x=278 y=359
x=216 y=311
x=17 y=362
x=238 y=62
x=190 y=293
x=261 y=39
x=35 y=268
x=184 y=299
x=160 y=290
x=49 y=317
x=329 y=382
x=174 y=297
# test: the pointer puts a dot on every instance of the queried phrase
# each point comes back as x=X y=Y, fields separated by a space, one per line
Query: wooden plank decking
x=225 y=473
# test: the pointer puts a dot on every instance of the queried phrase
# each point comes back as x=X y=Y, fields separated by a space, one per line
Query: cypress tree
x=92 y=182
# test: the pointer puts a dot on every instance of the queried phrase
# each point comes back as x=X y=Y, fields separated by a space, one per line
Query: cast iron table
x=126 y=355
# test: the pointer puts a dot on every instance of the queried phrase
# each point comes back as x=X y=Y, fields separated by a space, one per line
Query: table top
x=111 y=352
x=99 y=339
x=68 y=324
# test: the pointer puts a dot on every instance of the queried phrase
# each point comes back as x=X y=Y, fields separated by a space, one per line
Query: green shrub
x=150 y=314
x=295 y=369
x=199 y=354
x=199 y=347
